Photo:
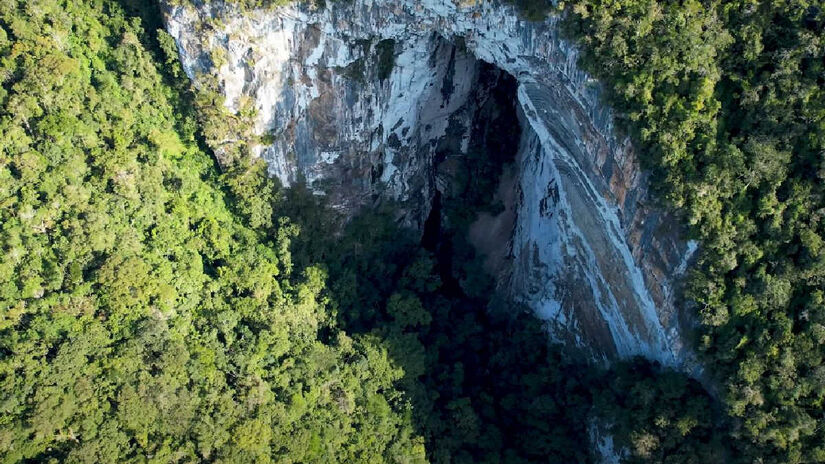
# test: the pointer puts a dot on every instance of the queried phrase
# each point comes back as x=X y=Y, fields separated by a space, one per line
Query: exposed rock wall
x=588 y=252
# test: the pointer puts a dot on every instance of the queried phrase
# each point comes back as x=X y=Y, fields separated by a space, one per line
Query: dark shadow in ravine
x=485 y=384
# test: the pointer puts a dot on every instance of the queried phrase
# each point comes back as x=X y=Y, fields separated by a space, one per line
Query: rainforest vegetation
x=163 y=300
x=727 y=102
x=145 y=317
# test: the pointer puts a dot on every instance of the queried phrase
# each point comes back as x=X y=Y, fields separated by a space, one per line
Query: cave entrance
x=472 y=213
x=466 y=368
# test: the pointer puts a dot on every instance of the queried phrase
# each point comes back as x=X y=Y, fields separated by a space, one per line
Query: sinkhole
x=370 y=104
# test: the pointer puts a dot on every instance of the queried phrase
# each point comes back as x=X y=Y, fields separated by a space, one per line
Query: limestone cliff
x=357 y=98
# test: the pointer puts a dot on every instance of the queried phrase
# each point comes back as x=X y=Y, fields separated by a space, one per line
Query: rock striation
x=356 y=97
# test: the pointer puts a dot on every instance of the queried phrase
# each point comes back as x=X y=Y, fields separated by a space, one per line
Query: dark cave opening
x=468 y=166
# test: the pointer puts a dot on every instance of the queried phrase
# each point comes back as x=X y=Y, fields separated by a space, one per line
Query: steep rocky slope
x=358 y=98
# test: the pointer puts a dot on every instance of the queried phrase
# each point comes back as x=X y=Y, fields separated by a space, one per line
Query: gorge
x=358 y=99
x=448 y=231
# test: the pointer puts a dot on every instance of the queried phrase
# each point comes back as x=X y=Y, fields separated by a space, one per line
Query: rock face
x=357 y=98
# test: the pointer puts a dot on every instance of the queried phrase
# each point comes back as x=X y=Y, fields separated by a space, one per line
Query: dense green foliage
x=659 y=415
x=727 y=101
x=153 y=309
x=140 y=319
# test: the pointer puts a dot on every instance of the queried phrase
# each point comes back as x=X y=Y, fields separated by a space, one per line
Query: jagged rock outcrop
x=356 y=97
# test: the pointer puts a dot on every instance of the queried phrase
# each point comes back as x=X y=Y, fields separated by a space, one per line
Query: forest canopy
x=155 y=307
x=141 y=318
x=727 y=102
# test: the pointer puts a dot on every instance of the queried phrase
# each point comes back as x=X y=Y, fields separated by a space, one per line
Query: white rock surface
x=602 y=442
x=588 y=253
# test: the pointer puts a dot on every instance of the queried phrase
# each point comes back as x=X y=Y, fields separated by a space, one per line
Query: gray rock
x=588 y=251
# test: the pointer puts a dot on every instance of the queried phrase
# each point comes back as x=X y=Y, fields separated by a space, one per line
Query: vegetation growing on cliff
x=154 y=309
x=143 y=317
x=727 y=102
